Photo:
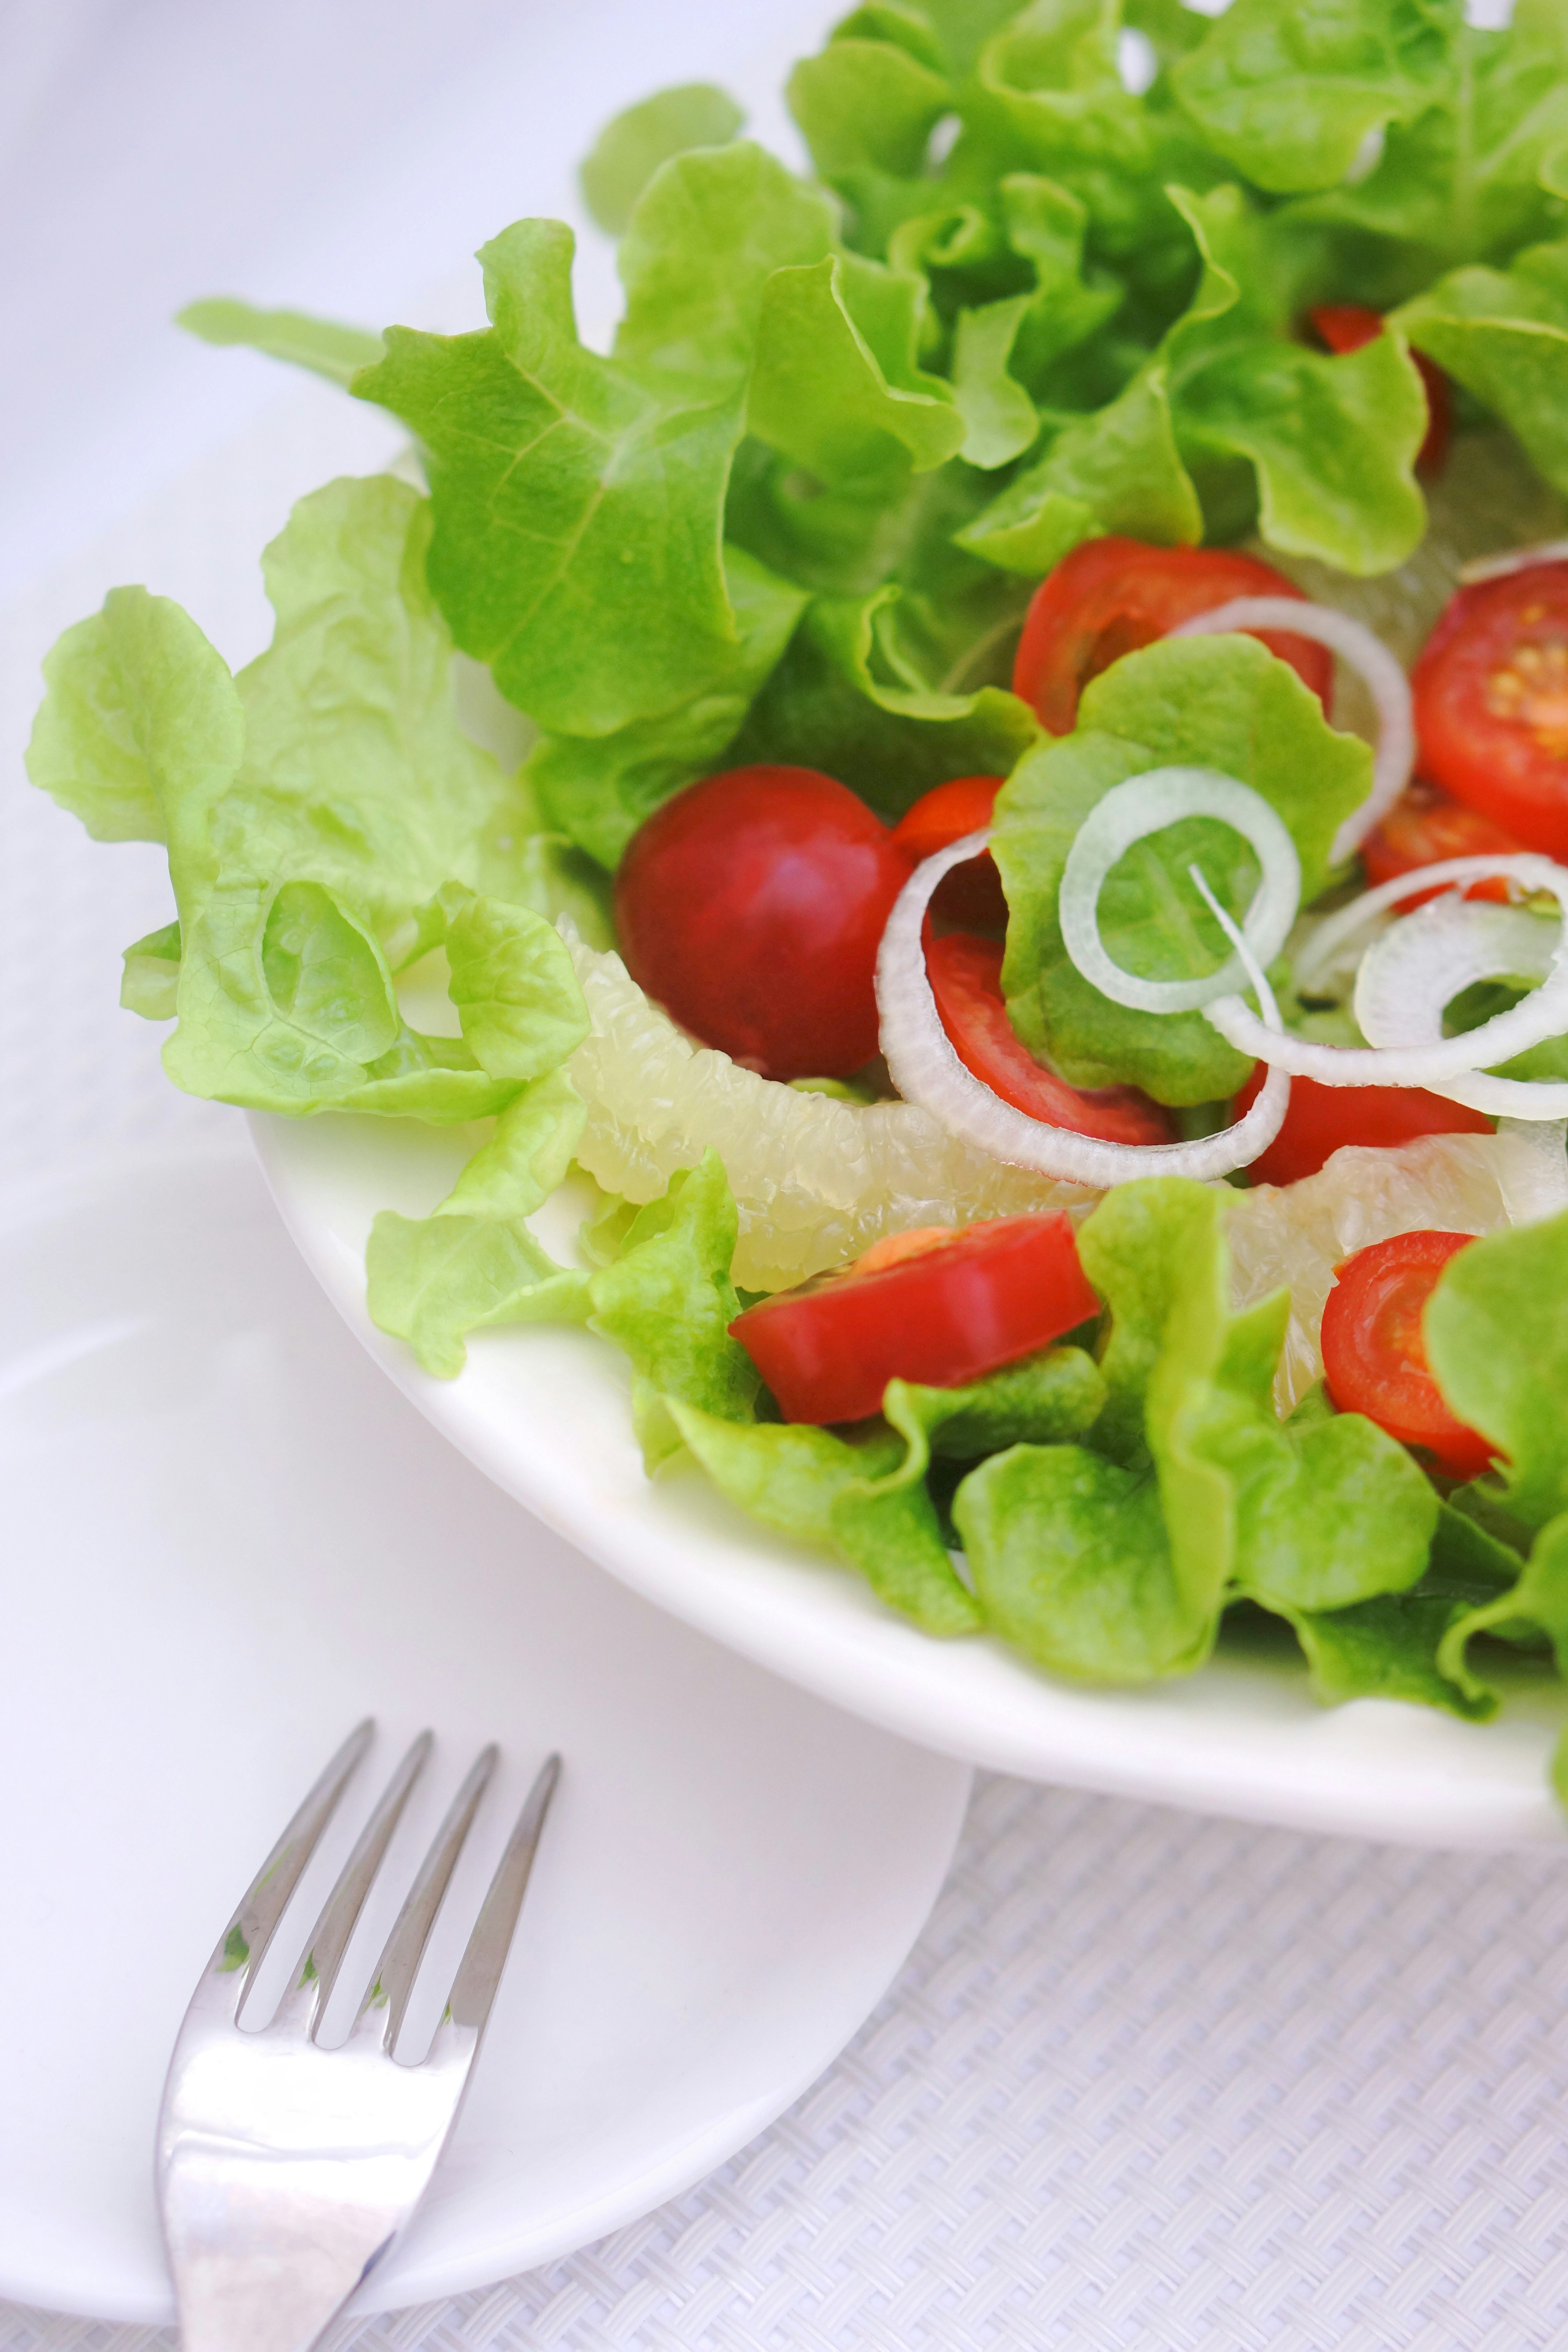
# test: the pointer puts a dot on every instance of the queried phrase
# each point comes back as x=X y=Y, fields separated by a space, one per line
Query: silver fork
x=285 y=2170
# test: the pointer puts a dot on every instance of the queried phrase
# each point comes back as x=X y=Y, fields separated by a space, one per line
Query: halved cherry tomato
x=1374 y=1353
x=966 y=982
x=752 y=906
x=1112 y=595
x=1425 y=825
x=1321 y=1119
x=947 y=1311
x=1491 y=703
x=970 y=895
x=1346 y=326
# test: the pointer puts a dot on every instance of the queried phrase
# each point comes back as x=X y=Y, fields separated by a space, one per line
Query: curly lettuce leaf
x=1496 y=1340
x=632 y=145
x=320 y=345
x=866 y=108
x=668 y=1300
x=827 y=707
x=1504 y=335
x=1290 y=94
x=577 y=501
x=599 y=788
x=151 y=977
x=1218 y=702
x=473 y=1262
x=1045 y=1400
x=841 y=1496
x=1539 y=1598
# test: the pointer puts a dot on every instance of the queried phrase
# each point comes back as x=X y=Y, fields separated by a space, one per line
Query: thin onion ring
x=1128 y=812
x=1542 y=1015
x=926 y=1070
x=1367 y=655
x=1414 y=971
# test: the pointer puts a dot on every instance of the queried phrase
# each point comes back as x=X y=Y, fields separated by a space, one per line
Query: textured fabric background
x=1148 y=2082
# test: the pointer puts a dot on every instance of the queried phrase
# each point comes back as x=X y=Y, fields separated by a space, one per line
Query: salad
x=1035 y=886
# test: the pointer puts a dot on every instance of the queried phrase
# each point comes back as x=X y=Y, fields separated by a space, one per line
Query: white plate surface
x=545 y=1413
x=225 y=1539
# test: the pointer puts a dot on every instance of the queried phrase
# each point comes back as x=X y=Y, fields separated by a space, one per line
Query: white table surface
x=1147 y=2080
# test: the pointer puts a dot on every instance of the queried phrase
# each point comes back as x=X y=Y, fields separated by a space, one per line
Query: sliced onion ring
x=1369 y=657
x=926 y=1070
x=1511 y=558
x=1127 y=814
x=1542 y=1015
x=1409 y=977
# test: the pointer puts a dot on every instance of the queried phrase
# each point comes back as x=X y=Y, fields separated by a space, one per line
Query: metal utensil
x=286 y=2170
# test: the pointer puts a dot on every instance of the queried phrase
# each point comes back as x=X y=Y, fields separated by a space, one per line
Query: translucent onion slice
x=1542 y=1015
x=926 y=1070
x=1513 y=559
x=1370 y=657
x=1411 y=975
x=1129 y=813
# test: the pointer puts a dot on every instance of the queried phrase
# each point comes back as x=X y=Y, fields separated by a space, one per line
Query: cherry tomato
x=950 y=1306
x=1321 y=1119
x=966 y=982
x=1491 y=703
x=1374 y=1353
x=1425 y=825
x=1346 y=326
x=751 y=907
x=970 y=895
x=1111 y=595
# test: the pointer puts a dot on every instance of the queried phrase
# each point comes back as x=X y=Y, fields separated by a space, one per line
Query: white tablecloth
x=1147 y=2080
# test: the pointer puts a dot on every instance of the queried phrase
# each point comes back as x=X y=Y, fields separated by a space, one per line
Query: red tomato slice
x=950 y=1308
x=1320 y=1119
x=752 y=907
x=966 y=982
x=970 y=898
x=1425 y=825
x=1491 y=703
x=1346 y=326
x=1374 y=1353
x=1110 y=596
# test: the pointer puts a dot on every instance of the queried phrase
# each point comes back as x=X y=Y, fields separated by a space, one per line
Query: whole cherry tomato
x=1425 y=825
x=970 y=895
x=752 y=906
x=1110 y=596
x=1491 y=703
x=966 y=982
x=1320 y=1120
x=1374 y=1353
x=1346 y=326
x=936 y=1305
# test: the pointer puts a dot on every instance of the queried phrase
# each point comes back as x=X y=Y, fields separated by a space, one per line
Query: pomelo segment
x=816 y=1180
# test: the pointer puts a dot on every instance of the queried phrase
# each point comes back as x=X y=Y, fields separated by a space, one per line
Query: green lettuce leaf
x=577 y=501
x=1045 y=1400
x=868 y=107
x=1504 y=335
x=1218 y=702
x=322 y=345
x=635 y=143
x=1289 y=94
x=473 y=1262
x=1540 y=1598
x=151 y=980
x=667 y=1299
x=599 y=788
x=825 y=707
x=841 y=1496
x=1496 y=1340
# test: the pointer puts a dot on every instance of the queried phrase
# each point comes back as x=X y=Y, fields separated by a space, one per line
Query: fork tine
x=392 y=1980
x=244 y=1943
x=305 y=2003
x=479 y=1969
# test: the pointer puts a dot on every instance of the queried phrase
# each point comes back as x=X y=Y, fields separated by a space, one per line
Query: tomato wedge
x=1321 y=1121
x=1425 y=825
x=970 y=897
x=1374 y=1353
x=952 y=1307
x=966 y=982
x=1346 y=326
x=1111 y=595
x=1491 y=703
